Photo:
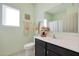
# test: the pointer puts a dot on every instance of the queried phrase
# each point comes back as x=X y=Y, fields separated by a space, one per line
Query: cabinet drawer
x=39 y=42
x=39 y=50
x=50 y=53
x=61 y=51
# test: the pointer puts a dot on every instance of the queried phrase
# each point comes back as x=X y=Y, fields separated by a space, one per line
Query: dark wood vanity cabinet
x=50 y=53
x=40 y=48
x=47 y=49
x=60 y=51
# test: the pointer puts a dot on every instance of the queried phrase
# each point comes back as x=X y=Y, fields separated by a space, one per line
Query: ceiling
x=60 y=8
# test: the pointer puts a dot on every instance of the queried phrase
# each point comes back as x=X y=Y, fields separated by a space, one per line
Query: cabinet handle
x=44 y=50
x=47 y=52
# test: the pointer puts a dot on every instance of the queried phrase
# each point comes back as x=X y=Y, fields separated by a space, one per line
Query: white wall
x=0 y=13
x=12 y=39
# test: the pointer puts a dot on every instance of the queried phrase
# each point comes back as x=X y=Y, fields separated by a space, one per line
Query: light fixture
x=45 y=22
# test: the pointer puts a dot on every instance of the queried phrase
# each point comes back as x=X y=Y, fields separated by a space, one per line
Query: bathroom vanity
x=62 y=45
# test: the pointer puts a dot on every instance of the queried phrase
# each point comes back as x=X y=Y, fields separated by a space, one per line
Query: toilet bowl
x=29 y=48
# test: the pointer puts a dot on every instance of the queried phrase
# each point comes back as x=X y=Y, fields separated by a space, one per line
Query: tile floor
x=27 y=52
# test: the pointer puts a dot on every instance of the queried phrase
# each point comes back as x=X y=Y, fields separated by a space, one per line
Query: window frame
x=3 y=17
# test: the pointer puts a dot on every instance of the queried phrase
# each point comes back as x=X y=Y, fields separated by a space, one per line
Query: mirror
x=63 y=18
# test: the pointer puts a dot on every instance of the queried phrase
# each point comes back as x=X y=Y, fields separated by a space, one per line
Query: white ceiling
x=59 y=8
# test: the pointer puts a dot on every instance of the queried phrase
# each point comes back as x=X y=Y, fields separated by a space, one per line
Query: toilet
x=29 y=49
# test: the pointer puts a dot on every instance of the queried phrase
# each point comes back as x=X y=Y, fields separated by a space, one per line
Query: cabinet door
x=39 y=50
x=61 y=51
x=50 y=53
x=40 y=42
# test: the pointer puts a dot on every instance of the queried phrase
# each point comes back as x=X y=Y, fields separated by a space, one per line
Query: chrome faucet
x=54 y=36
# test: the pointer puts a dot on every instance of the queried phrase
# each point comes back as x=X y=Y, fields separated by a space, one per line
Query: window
x=10 y=16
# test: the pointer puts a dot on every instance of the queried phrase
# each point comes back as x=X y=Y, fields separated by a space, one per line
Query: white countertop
x=66 y=40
